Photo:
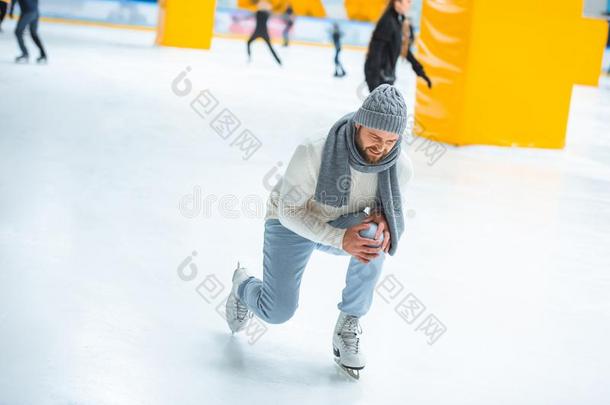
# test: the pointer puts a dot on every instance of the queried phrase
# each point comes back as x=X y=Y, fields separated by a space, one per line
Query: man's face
x=373 y=143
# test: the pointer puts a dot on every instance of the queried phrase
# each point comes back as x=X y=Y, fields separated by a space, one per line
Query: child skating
x=288 y=18
x=320 y=204
x=336 y=35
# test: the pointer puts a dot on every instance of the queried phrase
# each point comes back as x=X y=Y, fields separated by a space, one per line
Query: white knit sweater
x=292 y=199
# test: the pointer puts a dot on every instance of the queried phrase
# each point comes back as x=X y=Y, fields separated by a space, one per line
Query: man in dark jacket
x=385 y=47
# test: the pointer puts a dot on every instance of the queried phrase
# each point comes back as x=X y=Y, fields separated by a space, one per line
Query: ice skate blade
x=338 y=357
x=351 y=372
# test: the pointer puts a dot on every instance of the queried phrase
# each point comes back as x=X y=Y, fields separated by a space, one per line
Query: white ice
x=509 y=248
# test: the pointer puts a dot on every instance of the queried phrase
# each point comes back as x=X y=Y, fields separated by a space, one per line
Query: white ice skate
x=346 y=345
x=237 y=312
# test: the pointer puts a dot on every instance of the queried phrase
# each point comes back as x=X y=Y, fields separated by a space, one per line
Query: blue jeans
x=275 y=298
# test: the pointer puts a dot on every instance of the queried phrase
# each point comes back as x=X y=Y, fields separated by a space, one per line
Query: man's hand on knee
x=382 y=229
x=363 y=249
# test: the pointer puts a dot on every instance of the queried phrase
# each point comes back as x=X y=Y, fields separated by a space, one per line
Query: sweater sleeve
x=405 y=174
x=417 y=67
x=296 y=194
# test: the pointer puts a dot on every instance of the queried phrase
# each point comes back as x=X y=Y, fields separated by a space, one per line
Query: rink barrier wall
x=71 y=21
x=228 y=22
x=310 y=8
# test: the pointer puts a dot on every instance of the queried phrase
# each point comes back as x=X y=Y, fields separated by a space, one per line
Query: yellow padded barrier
x=186 y=23
x=365 y=10
x=311 y=8
x=503 y=72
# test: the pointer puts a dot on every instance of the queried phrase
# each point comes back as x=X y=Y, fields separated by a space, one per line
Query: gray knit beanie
x=383 y=109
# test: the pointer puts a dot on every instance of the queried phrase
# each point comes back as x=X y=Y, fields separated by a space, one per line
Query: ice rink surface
x=508 y=248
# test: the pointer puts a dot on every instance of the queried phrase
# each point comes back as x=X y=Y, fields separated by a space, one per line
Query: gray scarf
x=334 y=181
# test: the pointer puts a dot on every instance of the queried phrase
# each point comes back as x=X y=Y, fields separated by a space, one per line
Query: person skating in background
x=29 y=17
x=261 y=31
x=385 y=46
x=288 y=18
x=408 y=37
x=310 y=208
x=336 y=35
x=4 y=6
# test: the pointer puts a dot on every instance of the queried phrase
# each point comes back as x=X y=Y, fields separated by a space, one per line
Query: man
x=320 y=204
x=4 y=7
x=29 y=17
x=385 y=47
x=261 y=31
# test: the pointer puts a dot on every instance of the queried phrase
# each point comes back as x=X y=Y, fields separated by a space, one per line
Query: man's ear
x=358 y=126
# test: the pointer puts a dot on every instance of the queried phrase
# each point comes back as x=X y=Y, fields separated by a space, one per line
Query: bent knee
x=277 y=316
x=370 y=232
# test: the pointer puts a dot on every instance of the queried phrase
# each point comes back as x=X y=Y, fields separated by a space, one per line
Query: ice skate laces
x=350 y=331
x=242 y=311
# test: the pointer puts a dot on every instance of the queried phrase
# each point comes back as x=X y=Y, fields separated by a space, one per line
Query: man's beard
x=365 y=152
x=372 y=158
